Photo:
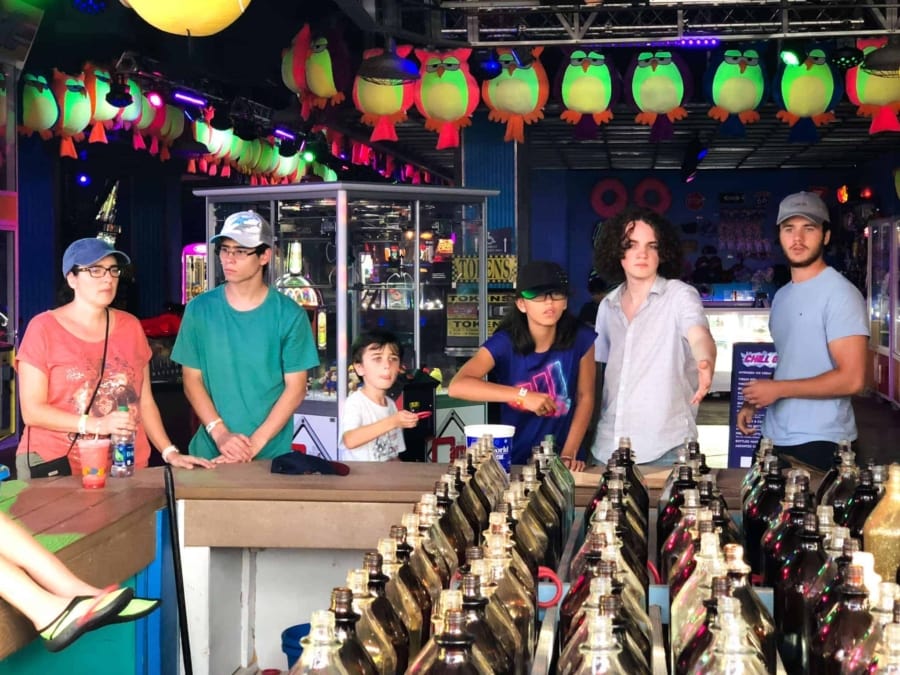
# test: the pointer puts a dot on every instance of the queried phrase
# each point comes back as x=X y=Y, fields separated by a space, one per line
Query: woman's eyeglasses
x=98 y=271
x=236 y=252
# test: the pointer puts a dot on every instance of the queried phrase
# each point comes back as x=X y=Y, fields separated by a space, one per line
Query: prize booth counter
x=260 y=552
x=414 y=260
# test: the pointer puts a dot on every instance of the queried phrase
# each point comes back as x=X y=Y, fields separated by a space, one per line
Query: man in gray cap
x=820 y=328
x=244 y=350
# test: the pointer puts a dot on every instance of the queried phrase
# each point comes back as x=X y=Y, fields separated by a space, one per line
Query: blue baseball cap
x=86 y=252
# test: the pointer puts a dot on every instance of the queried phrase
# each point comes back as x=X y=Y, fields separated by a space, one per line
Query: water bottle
x=123 y=452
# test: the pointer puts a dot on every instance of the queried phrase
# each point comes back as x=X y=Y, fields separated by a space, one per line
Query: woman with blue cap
x=80 y=363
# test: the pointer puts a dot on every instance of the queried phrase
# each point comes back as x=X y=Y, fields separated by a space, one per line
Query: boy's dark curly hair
x=610 y=245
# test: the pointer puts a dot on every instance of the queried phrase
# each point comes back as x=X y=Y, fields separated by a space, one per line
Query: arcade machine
x=193 y=271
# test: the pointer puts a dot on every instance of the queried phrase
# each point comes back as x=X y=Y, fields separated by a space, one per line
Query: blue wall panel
x=490 y=162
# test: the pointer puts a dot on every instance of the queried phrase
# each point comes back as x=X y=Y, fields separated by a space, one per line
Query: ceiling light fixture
x=190 y=98
x=119 y=94
x=284 y=134
x=884 y=62
x=388 y=68
x=155 y=99
x=845 y=58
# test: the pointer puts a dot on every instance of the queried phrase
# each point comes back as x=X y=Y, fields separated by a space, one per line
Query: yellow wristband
x=519 y=402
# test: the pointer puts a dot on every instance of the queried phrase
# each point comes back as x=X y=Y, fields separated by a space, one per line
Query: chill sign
x=749 y=361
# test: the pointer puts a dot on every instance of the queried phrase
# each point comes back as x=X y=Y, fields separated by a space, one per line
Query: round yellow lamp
x=196 y=18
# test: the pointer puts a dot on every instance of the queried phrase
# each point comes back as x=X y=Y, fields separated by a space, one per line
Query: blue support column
x=490 y=162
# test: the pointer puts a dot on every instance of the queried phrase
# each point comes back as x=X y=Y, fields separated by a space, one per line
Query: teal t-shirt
x=243 y=357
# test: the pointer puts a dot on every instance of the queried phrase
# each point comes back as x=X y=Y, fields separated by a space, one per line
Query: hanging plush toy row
x=657 y=83
x=74 y=109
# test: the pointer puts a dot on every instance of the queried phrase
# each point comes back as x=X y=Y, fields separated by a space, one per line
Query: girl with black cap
x=540 y=362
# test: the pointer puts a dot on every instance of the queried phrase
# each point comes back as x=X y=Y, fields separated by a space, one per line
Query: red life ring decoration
x=652 y=193
x=601 y=192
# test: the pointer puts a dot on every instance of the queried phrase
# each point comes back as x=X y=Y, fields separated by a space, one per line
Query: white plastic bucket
x=503 y=435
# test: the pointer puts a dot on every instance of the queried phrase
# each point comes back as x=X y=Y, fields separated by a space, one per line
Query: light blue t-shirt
x=805 y=317
x=243 y=357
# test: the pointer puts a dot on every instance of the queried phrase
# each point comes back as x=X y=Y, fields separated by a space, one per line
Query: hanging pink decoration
x=97 y=82
x=170 y=131
x=74 y=110
x=142 y=124
x=320 y=69
x=383 y=105
x=292 y=70
x=659 y=83
x=517 y=95
x=446 y=93
x=39 y=108
x=875 y=96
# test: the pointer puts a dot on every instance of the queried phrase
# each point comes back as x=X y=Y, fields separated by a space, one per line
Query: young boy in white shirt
x=371 y=425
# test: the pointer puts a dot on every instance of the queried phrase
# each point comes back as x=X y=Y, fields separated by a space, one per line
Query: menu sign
x=749 y=361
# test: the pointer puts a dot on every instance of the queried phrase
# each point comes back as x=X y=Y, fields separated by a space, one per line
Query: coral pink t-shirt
x=72 y=366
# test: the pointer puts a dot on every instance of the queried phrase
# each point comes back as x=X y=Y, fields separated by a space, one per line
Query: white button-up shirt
x=651 y=374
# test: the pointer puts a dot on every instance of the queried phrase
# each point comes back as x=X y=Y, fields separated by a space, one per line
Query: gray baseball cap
x=247 y=228
x=806 y=204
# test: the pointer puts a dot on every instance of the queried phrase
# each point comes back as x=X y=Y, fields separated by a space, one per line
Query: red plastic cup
x=94 y=455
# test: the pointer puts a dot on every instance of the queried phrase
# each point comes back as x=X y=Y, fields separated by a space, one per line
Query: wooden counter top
x=390 y=482
x=104 y=536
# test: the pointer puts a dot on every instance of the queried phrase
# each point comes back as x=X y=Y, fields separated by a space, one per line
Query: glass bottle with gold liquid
x=881 y=533
x=519 y=602
x=352 y=651
x=405 y=592
x=529 y=536
x=320 y=654
x=543 y=510
x=435 y=538
x=499 y=526
x=434 y=657
x=458 y=519
x=383 y=610
x=372 y=632
x=452 y=521
x=498 y=616
x=476 y=624
x=424 y=562
x=474 y=506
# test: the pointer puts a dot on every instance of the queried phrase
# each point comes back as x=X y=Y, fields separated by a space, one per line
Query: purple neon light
x=285 y=134
x=193 y=99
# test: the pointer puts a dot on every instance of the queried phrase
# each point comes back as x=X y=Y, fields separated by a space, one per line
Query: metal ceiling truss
x=493 y=23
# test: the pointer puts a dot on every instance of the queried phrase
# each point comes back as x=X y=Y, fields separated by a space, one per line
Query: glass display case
x=880 y=303
x=729 y=326
x=414 y=260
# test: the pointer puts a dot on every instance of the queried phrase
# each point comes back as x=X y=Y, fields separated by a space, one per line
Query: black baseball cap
x=301 y=463
x=541 y=276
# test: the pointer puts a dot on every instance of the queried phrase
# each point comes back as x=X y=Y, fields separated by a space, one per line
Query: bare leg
x=20 y=591
x=21 y=550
